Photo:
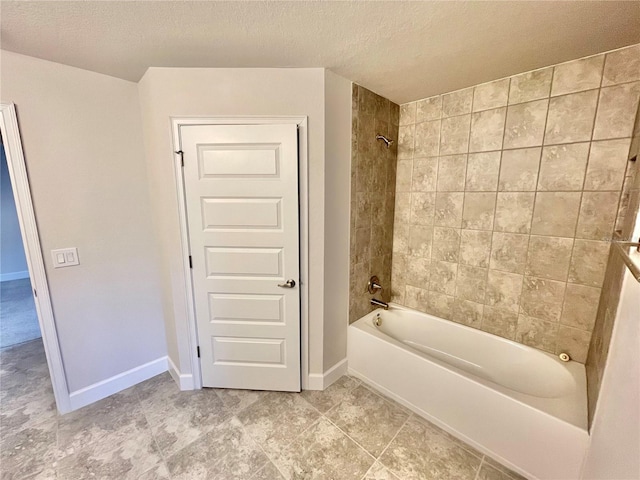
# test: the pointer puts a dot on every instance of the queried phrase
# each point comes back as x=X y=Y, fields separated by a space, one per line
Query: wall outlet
x=65 y=257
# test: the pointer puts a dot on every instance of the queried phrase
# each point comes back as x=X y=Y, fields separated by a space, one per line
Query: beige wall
x=507 y=195
x=166 y=92
x=373 y=180
x=81 y=134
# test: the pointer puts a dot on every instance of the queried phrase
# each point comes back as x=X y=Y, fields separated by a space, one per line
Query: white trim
x=117 y=383
x=189 y=327
x=321 y=381
x=33 y=253
x=7 y=277
x=184 y=380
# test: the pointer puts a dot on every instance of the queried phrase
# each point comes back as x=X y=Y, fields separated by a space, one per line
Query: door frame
x=303 y=197
x=33 y=253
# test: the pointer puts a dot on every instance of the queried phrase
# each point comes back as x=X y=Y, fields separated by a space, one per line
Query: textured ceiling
x=402 y=50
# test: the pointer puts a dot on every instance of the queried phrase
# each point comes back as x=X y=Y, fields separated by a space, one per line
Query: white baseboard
x=6 y=277
x=117 y=383
x=320 y=381
x=184 y=380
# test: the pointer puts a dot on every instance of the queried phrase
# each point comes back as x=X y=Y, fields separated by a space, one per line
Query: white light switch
x=65 y=257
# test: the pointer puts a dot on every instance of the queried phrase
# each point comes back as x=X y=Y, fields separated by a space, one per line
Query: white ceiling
x=402 y=50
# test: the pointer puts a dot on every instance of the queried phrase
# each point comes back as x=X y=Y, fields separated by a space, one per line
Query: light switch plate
x=65 y=257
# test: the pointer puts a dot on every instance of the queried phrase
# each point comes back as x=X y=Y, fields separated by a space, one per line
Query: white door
x=241 y=188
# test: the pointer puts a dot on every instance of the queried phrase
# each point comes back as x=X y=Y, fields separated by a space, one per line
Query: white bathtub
x=517 y=404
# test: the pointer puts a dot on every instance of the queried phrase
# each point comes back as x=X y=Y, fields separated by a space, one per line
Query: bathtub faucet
x=379 y=303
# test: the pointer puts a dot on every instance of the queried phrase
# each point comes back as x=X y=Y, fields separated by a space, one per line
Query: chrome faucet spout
x=379 y=303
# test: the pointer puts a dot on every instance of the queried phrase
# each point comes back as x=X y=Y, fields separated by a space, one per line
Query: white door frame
x=301 y=122
x=33 y=253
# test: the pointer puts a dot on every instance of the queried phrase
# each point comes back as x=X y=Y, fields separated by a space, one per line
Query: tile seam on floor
x=392 y=440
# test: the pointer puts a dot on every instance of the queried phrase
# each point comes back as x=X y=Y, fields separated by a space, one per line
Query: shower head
x=385 y=140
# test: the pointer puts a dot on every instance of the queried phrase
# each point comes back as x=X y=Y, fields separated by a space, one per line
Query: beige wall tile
x=525 y=124
x=578 y=75
x=563 y=167
x=429 y=109
x=406 y=135
x=363 y=245
x=420 y=240
x=542 y=298
x=440 y=305
x=471 y=283
x=574 y=342
x=491 y=95
x=556 y=213
x=607 y=164
x=402 y=212
x=483 y=170
x=394 y=114
x=422 y=208
x=571 y=118
x=427 y=139
x=537 y=333
x=503 y=290
x=400 y=238
x=425 y=174
x=475 y=247
x=407 y=113
x=454 y=135
x=616 y=111
x=487 y=130
x=499 y=322
x=479 y=210
x=448 y=210
x=549 y=257
x=509 y=252
x=443 y=277
x=530 y=86
x=363 y=210
x=403 y=175
x=446 y=244
x=467 y=313
x=580 y=306
x=622 y=66
x=418 y=271
x=457 y=103
x=519 y=169
x=514 y=212
x=417 y=298
x=451 y=173
x=597 y=215
x=588 y=262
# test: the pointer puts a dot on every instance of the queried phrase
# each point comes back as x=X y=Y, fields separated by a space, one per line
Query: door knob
x=288 y=284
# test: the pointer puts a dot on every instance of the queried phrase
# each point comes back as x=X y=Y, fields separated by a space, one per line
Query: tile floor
x=153 y=431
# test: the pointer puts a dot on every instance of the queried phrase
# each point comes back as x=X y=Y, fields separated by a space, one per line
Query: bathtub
x=523 y=407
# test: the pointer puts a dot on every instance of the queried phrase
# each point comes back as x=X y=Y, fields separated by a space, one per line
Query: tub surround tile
x=487 y=130
x=425 y=174
x=563 y=167
x=542 y=298
x=454 y=135
x=406 y=136
x=420 y=241
x=574 y=342
x=407 y=113
x=622 y=66
x=429 y=109
x=427 y=139
x=519 y=170
x=580 y=306
x=549 y=257
x=451 y=173
x=514 y=212
x=556 y=213
x=571 y=118
x=440 y=304
x=446 y=244
x=577 y=75
x=537 y=333
x=457 y=103
x=616 y=111
x=448 y=209
x=418 y=271
x=509 y=252
x=589 y=262
x=597 y=215
x=503 y=290
x=471 y=283
x=525 y=124
x=530 y=86
x=482 y=173
x=475 y=247
x=443 y=277
x=422 y=208
x=417 y=298
x=467 y=313
x=479 y=210
x=403 y=176
x=607 y=165
x=402 y=211
x=491 y=95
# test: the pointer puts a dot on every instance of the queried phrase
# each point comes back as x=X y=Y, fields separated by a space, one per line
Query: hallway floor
x=18 y=318
x=154 y=431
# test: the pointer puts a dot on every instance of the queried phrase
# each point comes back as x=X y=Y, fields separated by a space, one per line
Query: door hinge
x=198 y=350
x=181 y=153
x=190 y=262
x=35 y=293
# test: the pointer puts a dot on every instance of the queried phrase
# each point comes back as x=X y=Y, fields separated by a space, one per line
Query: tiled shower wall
x=373 y=180
x=507 y=195
x=603 y=329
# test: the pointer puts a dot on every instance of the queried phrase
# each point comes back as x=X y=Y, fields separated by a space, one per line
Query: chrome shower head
x=385 y=140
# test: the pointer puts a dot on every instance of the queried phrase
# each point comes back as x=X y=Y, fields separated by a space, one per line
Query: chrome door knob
x=288 y=284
